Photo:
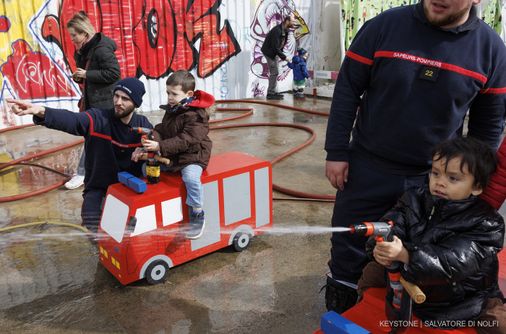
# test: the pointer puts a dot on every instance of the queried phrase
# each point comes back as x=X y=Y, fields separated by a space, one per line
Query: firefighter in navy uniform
x=109 y=141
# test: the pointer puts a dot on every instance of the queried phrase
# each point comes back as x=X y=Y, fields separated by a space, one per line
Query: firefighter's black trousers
x=369 y=193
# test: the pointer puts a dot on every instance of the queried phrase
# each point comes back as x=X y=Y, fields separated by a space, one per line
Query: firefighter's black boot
x=339 y=297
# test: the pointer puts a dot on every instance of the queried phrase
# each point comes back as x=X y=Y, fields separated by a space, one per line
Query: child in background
x=183 y=138
x=448 y=239
x=97 y=71
x=299 y=67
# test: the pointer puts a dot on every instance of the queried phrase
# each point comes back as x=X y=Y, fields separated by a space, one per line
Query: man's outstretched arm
x=59 y=119
x=22 y=108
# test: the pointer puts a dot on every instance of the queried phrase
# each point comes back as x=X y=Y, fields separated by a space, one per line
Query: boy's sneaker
x=274 y=97
x=75 y=182
x=197 y=224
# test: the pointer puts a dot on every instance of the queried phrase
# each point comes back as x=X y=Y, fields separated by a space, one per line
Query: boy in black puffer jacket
x=447 y=239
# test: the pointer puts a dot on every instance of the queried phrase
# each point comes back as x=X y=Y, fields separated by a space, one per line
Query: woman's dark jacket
x=102 y=71
x=182 y=135
x=452 y=249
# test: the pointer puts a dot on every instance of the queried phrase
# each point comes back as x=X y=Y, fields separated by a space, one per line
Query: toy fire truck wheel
x=241 y=241
x=157 y=272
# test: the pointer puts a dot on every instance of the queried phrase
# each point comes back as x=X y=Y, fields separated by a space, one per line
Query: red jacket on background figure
x=495 y=192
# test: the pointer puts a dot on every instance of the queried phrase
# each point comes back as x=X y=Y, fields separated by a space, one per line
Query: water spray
x=304 y=230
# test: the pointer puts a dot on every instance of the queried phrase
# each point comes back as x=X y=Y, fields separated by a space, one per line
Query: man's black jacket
x=274 y=42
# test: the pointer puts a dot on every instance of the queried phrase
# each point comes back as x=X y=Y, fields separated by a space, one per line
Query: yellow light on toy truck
x=115 y=262
x=103 y=252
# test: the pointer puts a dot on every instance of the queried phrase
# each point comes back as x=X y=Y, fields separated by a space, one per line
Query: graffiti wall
x=217 y=40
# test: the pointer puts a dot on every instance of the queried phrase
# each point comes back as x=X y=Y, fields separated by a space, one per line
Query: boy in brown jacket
x=182 y=138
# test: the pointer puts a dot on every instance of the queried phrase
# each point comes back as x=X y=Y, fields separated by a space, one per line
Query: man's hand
x=337 y=173
x=79 y=74
x=139 y=154
x=151 y=145
x=386 y=252
x=22 y=108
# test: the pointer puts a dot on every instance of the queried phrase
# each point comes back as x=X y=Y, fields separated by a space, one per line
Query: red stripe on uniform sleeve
x=463 y=71
x=92 y=130
x=501 y=90
x=432 y=63
x=359 y=58
x=107 y=137
x=125 y=145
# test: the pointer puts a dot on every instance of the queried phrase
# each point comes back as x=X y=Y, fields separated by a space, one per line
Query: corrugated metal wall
x=356 y=12
x=218 y=40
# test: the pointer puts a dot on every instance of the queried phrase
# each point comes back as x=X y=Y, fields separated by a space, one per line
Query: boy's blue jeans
x=194 y=190
x=191 y=177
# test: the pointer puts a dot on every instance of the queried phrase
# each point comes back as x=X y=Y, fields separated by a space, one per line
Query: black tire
x=157 y=272
x=241 y=241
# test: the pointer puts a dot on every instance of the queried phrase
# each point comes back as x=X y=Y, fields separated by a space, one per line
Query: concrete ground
x=51 y=280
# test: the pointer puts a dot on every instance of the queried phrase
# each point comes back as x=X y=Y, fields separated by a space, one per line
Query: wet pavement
x=52 y=282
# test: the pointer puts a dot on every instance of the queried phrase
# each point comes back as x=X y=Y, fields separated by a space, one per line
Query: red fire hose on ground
x=247 y=112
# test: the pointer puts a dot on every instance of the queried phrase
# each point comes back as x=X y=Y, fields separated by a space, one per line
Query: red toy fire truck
x=142 y=226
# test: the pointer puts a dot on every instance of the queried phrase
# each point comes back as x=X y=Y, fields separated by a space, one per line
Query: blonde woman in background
x=97 y=71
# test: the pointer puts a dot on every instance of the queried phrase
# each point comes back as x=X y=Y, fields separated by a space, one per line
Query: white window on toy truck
x=146 y=216
x=114 y=217
x=172 y=211
x=146 y=220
